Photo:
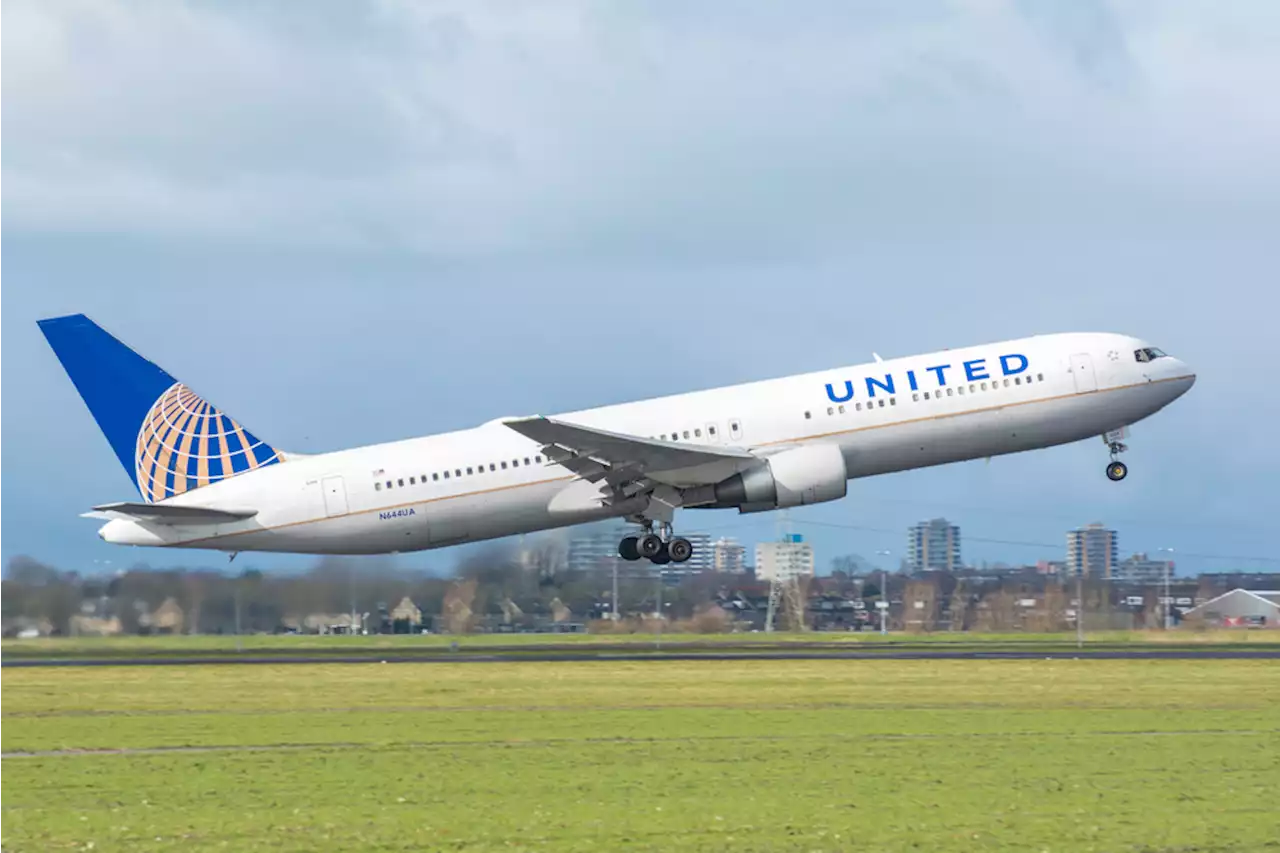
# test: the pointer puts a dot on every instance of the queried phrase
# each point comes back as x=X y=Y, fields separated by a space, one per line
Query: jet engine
x=804 y=475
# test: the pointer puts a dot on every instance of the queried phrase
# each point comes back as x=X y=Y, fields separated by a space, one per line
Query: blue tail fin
x=169 y=439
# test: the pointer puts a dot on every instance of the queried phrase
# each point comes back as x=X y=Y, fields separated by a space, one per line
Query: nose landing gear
x=658 y=548
x=1116 y=470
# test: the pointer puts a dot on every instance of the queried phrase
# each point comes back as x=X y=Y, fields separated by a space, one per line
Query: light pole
x=237 y=581
x=616 y=617
x=884 y=594
x=1080 y=608
x=1167 y=611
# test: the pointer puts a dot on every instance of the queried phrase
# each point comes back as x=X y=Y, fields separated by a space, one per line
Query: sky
x=378 y=220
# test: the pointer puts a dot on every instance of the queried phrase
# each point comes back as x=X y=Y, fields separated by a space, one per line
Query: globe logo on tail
x=186 y=443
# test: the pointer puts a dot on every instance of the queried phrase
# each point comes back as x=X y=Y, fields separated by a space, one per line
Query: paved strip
x=656 y=656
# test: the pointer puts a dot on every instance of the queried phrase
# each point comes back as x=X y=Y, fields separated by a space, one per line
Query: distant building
x=406 y=614
x=1092 y=551
x=597 y=549
x=730 y=556
x=933 y=546
x=1139 y=569
x=792 y=557
x=1240 y=608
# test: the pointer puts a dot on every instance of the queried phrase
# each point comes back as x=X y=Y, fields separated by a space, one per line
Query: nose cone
x=1180 y=377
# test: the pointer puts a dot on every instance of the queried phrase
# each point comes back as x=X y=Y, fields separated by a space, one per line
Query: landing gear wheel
x=629 y=548
x=680 y=549
x=662 y=557
x=649 y=545
x=1117 y=471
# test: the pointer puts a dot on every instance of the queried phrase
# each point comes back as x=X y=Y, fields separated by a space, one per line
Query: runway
x=651 y=654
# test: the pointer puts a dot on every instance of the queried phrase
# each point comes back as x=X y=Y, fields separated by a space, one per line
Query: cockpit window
x=1148 y=354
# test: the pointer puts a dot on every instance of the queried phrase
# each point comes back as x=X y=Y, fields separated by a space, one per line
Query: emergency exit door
x=1082 y=372
x=335 y=496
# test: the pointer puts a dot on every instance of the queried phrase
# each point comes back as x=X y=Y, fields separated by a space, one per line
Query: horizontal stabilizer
x=168 y=514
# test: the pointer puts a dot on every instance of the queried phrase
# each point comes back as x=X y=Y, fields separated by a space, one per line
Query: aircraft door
x=335 y=496
x=1082 y=372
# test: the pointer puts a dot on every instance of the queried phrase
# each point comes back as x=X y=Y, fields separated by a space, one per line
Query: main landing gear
x=1116 y=470
x=658 y=548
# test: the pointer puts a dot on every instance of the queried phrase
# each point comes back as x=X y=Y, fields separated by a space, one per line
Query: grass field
x=182 y=645
x=672 y=756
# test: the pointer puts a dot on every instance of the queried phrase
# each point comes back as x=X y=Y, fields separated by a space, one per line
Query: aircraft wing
x=169 y=514
x=629 y=463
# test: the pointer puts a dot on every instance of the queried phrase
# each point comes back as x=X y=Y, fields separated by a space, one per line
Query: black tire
x=1117 y=471
x=629 y=548
x=649 y=545
x=680 y=549
x=663 y=556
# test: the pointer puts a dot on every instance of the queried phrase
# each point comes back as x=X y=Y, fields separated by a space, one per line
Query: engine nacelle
x=806 y=475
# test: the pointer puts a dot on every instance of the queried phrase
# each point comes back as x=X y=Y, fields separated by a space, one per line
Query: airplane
x=207 y=482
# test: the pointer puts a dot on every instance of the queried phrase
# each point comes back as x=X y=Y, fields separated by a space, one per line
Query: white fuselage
x=396 y=497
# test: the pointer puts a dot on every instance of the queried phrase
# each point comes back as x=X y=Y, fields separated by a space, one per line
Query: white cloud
x=465 y=128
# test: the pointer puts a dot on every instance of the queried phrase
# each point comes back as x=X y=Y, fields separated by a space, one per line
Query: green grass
x=668 y=756
x=77 y=647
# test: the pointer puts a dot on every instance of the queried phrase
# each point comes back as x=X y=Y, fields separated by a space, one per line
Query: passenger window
x=377 y=487
x=435 y=478
x=948 y=392
x=413 y=481
x=984 y=386
x=926 y=395
x=711 y=430
x=960 y=390
x=470 y=472
x=697 y=433
x=526 y=460
x=830 y=411
x=493 y=467
x=1006 y=383
x=808 y=415
x=1017 y=380
x=915 y=398
x=538 y=459
x=388 y=484
x=973 y=388
x=446 y=475
x=663 y=436
x=857 y=407
x=840 y=409
x=686 y=433
x=882 y=404
x=893 y=401
x=1039 y=377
